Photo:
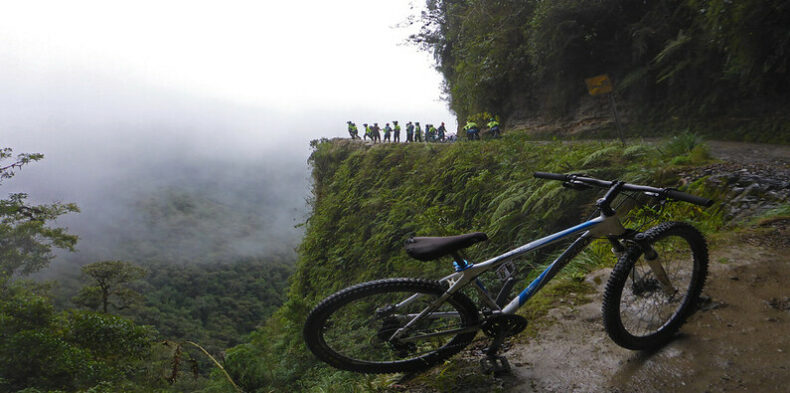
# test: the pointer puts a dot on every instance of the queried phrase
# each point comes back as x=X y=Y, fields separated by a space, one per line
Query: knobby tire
x=637 y=313
x=346 y=331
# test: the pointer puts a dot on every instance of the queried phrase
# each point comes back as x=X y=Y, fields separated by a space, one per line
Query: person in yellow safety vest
x=493 y=128
x=417 y=132
x=472 y=132
x=368 y=132
x=352 y=130
x=396 y=131
x=432 y=132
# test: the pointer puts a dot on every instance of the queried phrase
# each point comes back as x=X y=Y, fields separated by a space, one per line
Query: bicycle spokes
x=650 y=297
x=364 y=329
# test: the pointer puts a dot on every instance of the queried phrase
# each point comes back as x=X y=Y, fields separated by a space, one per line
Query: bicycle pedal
x=494 y=365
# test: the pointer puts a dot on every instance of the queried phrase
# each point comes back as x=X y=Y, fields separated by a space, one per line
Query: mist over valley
x=170 y=179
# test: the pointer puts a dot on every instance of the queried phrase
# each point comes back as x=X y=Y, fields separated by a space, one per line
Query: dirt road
x=751 y=153
x=737 y=341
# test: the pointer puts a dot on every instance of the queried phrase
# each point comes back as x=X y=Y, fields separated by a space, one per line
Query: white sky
x=122 y=93
x=292 y=57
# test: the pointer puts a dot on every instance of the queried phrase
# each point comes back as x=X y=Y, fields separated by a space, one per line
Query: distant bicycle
x=410 y=324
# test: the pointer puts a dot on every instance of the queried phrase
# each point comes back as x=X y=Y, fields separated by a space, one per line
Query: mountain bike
x=410 y=324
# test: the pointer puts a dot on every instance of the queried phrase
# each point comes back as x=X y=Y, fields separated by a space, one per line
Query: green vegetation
x=27 y=239
x=369 y=200
x=213 y=305
x=214 y=272
x=110 y=278
x=779 y=213
x=716 y=66
x=69 y=350
x=46 y=347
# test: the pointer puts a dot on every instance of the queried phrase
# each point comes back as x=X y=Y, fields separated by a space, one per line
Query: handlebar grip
x=682 y=196
x=551 y=176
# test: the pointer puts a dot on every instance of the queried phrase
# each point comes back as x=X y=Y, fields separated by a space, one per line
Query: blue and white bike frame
x=467 y=272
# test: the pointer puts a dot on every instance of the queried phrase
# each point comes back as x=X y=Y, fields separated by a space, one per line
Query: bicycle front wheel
x=655 y=286
x=352 y=329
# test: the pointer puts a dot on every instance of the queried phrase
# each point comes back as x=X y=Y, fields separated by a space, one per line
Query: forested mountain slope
x=715 y=66
x=189 y=253
x=217 y=248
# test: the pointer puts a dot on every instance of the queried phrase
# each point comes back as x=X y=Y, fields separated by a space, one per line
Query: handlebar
x=682 y=196
x=660 y=192
x=552 y=176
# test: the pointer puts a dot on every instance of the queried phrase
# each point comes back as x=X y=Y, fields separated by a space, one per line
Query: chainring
x=507 y=324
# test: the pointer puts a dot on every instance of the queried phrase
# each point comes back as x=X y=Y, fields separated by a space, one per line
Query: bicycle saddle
x=428 y=248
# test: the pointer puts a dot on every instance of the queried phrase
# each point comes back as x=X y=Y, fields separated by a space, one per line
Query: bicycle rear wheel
x=649 y=295
x=352 y=329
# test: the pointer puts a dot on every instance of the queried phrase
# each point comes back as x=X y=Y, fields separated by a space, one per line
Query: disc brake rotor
x=389 y=326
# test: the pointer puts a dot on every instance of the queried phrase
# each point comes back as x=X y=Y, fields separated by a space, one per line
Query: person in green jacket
x=472 y=132
x=433 y=132
x=396 y=131
x=368 y=132
x=493 y=128
x=352 y=130
x=417 y=132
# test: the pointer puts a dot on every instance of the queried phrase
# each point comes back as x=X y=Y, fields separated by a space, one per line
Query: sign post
x=602 y=85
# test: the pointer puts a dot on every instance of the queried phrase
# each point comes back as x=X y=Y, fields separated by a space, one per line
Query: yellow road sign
x=598 y=85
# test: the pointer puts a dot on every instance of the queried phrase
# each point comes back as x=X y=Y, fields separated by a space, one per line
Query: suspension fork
x=654 y=261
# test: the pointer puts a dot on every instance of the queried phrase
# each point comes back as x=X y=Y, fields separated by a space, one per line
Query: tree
x=26 y=239
x=111 y=278
x=43 y=350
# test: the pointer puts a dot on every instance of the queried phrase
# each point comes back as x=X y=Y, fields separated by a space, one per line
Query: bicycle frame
x=602 y=225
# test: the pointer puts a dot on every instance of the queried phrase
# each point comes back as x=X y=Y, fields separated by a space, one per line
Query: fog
x=112 y=147
x=120 y=151
x=184 y=127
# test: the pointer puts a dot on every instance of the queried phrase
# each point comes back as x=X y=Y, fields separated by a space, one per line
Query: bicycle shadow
x=465 y=374
x=646 y=362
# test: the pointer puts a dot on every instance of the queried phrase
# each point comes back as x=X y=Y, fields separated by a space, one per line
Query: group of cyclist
x=414 y=132
x=473 y=130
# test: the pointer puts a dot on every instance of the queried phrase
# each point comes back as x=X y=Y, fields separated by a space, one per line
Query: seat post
x=459 y=262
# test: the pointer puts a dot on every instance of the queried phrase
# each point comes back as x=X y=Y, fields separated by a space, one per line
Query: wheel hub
x=389 y=326
x=645 y=286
